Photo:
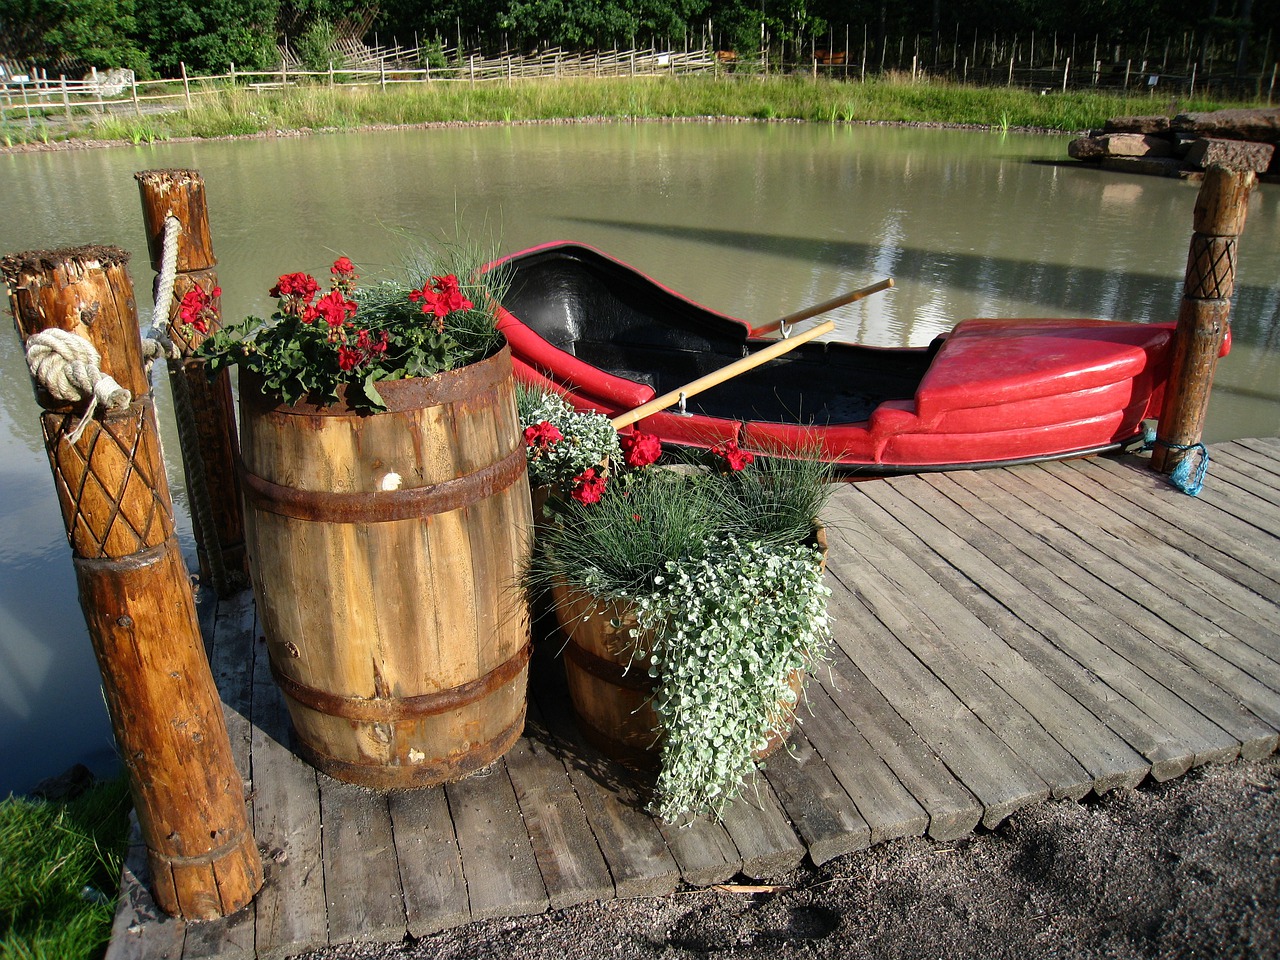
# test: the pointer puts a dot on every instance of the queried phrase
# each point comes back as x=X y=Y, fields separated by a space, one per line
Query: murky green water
x=755 y=220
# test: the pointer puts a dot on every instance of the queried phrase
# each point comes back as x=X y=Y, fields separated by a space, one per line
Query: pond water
x=755 y=220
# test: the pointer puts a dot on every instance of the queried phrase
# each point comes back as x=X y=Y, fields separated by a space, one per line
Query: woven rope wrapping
x=157 y=342
x=66 y=365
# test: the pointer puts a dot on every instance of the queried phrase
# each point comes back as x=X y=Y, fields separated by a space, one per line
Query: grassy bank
x=59 y=872
x=243 y=112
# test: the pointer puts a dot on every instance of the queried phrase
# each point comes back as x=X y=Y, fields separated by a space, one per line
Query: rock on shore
x=1187 y=144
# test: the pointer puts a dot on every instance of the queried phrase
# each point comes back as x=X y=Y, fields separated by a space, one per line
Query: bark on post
x=1203 y=317
x=206 y=412
x=134 y=589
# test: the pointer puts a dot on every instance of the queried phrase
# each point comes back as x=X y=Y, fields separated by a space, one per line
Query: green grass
x=59 y=872
x=239 y=111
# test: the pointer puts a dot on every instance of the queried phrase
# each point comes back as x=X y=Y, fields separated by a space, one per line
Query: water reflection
x=752 y=219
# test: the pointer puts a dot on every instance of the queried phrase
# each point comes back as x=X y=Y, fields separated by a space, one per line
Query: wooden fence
x=36 y=98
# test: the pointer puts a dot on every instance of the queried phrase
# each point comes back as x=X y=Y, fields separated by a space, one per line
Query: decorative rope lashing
x=67 y=366
x=156 y=342
x=1183 y=476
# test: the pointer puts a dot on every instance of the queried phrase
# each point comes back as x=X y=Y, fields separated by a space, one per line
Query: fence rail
x=35 y=98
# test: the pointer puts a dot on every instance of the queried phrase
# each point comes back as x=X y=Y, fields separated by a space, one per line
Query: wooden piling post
x=1203 y=316
x=137 y=600
x=204 y=408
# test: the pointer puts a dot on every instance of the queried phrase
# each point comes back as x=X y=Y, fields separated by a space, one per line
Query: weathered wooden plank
x=998 y=686
x=1150 y=580
x=760 y=830
x=884 y=804
x=291 y=912
x=1141 y=712
x=984 y=629
x=1212 y=685
x=1131 y=513
x=1049 y=577
x=141 y=930
x=230 y=651
x=1267 y=450
x=1225 y=532
x=613 y=800
x=983 y=762
x=431 y=874
x=824 y=815
x=1250 y=471
x=497 y=857
x=572 y=867
x=952 y=810
x=362 y=888
x=1214 y=596
x=702 y=850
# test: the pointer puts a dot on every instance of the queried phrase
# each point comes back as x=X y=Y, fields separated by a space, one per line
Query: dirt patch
x=1189 y=868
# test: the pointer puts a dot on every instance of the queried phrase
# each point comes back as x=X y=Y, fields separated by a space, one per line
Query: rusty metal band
x=384 y=505
x=1211 y=268
x=608 y=670
x=474 y=382
x=381 y=776
x=146 y=557
x=220 y=852
x=389 y=710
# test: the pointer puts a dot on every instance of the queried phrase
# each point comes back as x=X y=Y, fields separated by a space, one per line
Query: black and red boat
x=990 y=392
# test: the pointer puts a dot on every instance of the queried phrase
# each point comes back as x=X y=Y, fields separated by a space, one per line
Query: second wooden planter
x=612 y=697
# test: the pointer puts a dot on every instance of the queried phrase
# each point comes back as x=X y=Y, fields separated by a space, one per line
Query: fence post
x=137 y=600
x=66 y=98
x=331 y=74
x=233 y=73
x=1203 y=316
x=1066 y=72
x=204 y=409
x=137 y=107
x=186 y=83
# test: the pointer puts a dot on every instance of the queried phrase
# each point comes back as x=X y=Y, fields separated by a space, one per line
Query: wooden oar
x=853 y=296
x=775 y=349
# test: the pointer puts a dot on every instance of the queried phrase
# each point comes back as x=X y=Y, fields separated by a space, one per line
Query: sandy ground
x=1184 y=869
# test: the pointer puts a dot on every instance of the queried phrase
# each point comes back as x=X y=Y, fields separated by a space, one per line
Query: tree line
x=153 y=37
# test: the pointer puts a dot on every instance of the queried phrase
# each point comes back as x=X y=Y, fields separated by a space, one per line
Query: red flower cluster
x=640 y=449
x=295 y=291
x=542 y=435
x=197 y=308
x=365 y=350
x=734 y=458
x=441 y=296
x=588 y=486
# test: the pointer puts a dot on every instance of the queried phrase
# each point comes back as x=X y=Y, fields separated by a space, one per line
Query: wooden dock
x=1003 y=636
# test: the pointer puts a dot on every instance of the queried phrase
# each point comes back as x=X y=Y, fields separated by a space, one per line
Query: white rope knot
x=66 y=365
x=156 y=343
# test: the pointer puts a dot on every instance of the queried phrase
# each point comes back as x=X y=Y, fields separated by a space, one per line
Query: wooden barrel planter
x=611 y=697
x=385 y=550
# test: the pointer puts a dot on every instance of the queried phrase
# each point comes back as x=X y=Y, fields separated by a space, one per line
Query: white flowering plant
x=718 y=561
x=561 y=442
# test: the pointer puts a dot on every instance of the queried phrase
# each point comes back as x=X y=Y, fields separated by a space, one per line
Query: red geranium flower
x=297 y=290
x=734 y=458
x=542 y=435
x=333 y=306
x=588 y=486
x=640 y=449
x=196 y=308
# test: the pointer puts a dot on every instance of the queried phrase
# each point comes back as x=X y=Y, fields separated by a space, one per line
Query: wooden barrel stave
x=409 y=590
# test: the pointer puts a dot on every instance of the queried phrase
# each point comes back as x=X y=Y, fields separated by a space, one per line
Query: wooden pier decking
x=1003 y=636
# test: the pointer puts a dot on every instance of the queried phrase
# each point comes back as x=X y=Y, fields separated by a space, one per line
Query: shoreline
x=74 y=144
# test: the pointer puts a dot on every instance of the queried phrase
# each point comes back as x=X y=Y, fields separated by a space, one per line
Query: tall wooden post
x=134 y=589
x=204 y=408
x=1206 y=307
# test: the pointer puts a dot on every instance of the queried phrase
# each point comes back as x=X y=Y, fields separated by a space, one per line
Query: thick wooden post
x=204 y=408
x=134 y=589
x=1203 y=317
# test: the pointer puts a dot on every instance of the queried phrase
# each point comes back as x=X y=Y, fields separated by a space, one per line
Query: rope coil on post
x=157 y=342
x=66 y=365
x=1184 y=477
